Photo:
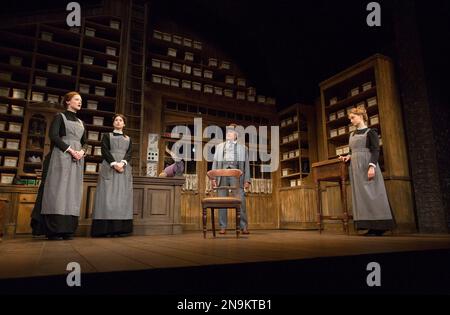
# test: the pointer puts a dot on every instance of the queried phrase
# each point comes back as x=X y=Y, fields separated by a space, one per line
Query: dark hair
x=121 y=116
x=68 y=96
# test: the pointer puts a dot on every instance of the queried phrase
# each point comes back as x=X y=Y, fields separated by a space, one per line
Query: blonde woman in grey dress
x=370 y=205
x=113 y=208
x=57 y=208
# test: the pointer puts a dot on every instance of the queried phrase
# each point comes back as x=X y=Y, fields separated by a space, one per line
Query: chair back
x=235 y=173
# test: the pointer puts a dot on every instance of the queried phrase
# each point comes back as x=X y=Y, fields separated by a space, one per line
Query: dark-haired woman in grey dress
x=113 y=208
x=58 y=202
x=371 y=209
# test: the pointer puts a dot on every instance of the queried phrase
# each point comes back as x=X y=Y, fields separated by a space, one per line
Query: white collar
x=118 y=131
x=232 y=141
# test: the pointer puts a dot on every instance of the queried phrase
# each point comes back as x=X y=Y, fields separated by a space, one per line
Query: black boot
x=67 y=237
x=54 y=238
x=373 y=232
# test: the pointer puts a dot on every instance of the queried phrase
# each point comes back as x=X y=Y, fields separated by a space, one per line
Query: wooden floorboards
x=27 y=257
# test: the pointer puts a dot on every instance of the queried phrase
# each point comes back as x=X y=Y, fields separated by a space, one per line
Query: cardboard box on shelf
x=112 y=65
x=106 y=77
x=91 y=104
x=37 y=96
x=4 y=108
x=47 y=36
x=89 y=31
x=17 y=110
x=97 y=120
x=114 y=24
x=14 y=127
x=51 y=67
x=66 y=70
x=88 y=60
x=19 y=93
x=41 y=81
x=12 y=144
x=15 y=60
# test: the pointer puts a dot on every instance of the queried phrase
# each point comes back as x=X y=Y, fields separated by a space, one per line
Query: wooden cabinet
x=298 y=150
x=17 y=209
x=35 y=138
x=297 y=144
x=41 y=62
x=26 y=205
x=370 y=83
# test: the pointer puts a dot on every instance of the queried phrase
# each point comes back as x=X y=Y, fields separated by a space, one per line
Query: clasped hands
x=119 y=167
x=76 y=155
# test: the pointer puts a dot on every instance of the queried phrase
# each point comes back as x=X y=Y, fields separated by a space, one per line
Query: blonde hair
x=359 y=112
x=68 y=96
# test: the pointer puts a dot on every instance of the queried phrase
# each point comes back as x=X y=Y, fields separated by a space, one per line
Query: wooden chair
x=229 y=202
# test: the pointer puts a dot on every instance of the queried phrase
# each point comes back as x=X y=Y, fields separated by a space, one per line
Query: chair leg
x=213 y=223
x=238 y=221
x=204 y=222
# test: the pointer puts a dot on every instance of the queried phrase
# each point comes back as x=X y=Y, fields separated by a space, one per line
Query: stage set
x=353 y=197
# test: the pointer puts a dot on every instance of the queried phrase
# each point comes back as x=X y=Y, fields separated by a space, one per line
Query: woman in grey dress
x=371 y=210
x=113 y=208
x=58 y=202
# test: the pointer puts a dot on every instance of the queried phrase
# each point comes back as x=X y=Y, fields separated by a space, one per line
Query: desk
x=331 y=171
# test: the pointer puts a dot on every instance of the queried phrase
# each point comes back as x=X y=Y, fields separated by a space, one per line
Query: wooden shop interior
x=127 y=57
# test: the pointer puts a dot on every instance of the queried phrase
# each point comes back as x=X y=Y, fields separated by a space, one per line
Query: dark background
x=285 y=47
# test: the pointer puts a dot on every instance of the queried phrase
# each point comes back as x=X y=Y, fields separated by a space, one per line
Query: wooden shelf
x=33 y=163
x=96 y=112
x=95 y=82
x=67 y=48
x=35 y=150
x=98 y=40
x=36 y=135
x=48 y=89
x=296 y=158
x=14 y=84
x=9 y=151
x=99 y=54
x=15 y=51
x=10 y=117
x=16 y=101
x=62 y=48
x=58 y=60
x=59 y=31
x=103 y=28
x=187 y=76
x=351 y=100
x=8 y=168
x=98 y=69
x=10 y=134
x=57 y=76
x=304 y=118
x=101 y=128
x=292 y=175
x=15 y=69
x=105 y=99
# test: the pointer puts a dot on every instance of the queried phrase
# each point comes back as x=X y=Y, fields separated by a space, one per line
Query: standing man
x=232 y=155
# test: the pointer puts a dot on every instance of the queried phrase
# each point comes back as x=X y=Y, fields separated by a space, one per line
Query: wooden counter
x=156 y=206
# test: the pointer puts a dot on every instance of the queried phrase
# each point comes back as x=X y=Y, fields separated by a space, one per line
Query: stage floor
x=25 y=257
